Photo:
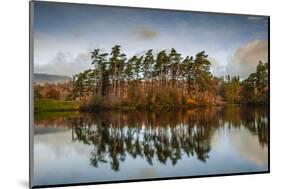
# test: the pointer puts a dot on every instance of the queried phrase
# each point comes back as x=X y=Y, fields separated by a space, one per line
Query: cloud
x=145 y=33
x=216 y=68
x=246 y=58
x=65 y=64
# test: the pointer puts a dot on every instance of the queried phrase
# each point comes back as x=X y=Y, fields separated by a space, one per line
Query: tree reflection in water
x=161 y=136
x=157 y=136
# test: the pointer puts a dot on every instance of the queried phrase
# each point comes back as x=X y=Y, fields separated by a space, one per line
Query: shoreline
x=135 y=109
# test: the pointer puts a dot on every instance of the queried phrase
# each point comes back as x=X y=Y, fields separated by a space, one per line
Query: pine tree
x=100 y=63
x=116 y=67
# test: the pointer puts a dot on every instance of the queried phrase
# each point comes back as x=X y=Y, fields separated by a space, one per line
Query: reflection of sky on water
x=232 y=144
x=60 y=160
x=249 y=148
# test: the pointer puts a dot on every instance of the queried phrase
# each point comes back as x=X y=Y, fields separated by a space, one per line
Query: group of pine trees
x=162 y=79
x=252 y=90
x=255 y=87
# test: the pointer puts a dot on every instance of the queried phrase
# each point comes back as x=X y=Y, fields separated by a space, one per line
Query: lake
x=73 y=147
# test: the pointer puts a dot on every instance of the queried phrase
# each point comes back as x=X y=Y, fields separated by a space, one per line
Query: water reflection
x=161 y=137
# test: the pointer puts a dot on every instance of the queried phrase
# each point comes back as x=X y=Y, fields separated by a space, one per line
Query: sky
x=65 y=34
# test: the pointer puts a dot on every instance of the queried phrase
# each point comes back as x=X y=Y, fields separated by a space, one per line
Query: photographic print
x=122 y=94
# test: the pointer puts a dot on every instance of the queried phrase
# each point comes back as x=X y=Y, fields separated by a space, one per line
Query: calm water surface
x=73 y=147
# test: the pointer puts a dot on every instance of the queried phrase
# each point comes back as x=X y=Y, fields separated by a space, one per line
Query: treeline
x=252 y=90
x=55 y=91
x=162 y=79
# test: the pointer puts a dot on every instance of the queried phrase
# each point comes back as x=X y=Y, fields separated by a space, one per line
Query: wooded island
x=155 y=80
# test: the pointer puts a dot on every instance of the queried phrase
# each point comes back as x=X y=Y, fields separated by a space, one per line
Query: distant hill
x=41 y=78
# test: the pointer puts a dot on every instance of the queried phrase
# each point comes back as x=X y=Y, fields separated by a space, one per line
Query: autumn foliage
x=155 y=80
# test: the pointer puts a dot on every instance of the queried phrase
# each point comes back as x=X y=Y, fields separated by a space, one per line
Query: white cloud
x=246 y=58
x=216 y=68
x=65 y=64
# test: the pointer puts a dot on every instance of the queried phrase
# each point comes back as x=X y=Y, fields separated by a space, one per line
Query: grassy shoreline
x=48 y=105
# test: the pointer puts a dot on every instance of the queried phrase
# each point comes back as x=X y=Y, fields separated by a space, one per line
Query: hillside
x=41 y=78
